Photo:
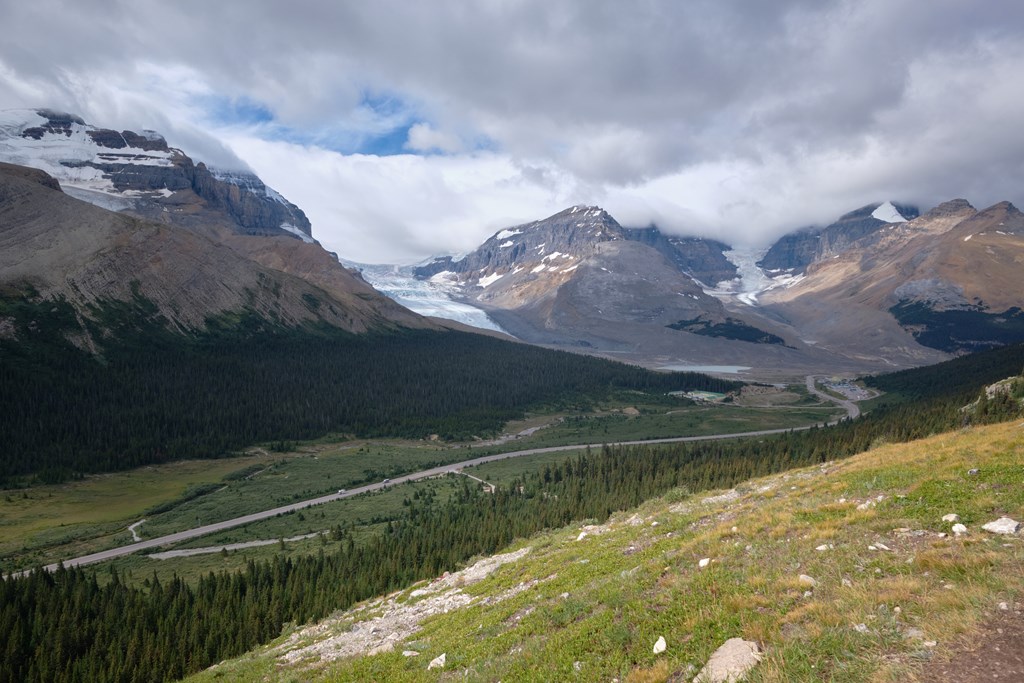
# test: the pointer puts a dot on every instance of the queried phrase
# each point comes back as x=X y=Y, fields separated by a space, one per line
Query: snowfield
x=431 y=297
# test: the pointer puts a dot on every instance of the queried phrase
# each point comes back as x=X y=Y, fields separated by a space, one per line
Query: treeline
x=66 y=626
x=157 y=397
x=963 y=376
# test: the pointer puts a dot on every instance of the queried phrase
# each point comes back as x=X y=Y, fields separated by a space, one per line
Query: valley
x=216 y=432
x=230 y=493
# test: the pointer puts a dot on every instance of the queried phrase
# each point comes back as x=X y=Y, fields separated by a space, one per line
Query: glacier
x=427 y=297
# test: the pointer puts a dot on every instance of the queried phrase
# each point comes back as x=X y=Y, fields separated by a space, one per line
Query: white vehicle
x=341 y=491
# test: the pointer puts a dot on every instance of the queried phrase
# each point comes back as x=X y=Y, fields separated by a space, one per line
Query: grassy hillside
x=894 y=592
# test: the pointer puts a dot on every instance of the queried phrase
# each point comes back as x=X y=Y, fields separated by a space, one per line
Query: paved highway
x=101 y=556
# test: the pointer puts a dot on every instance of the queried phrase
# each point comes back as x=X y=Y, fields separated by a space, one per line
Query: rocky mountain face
x=140 y=173
x=572 y=232
x=55 y=248
x=949 y=279
x=703 y=259
x=794 y=252
x=578 y=279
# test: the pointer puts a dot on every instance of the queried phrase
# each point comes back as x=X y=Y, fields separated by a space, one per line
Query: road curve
x=196 y=532
x=852 y=409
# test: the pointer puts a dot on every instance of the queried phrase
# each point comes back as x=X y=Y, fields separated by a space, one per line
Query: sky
x=409 y=129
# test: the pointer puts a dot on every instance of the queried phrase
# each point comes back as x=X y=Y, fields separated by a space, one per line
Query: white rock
x=704 y=562
x=438 y=662
x=583 y=534
x=807 y=580
x=1003 y=525
x=847 y=583
x=959 y=530
x=577 y=665
x=823 y=546
x=861 y=628
x=660 y=646
x=654 y=523
x=951 y=517
x=1004 y=606
x=730 y=662
x=866 y=505
x=410 y=653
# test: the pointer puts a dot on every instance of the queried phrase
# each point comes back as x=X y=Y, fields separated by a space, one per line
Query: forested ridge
x=68 y=626
x=151 y=396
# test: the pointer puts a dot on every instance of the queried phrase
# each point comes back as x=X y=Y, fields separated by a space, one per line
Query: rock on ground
x=730 y=663
x=1003 y=525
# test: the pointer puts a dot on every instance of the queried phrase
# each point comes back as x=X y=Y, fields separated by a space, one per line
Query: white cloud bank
x=730 y=119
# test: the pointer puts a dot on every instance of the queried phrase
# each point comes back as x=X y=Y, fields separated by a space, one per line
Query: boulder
x=951 y=517
x=731 y=662
x=660 y=646
x=438 y=662
x=1003 y=525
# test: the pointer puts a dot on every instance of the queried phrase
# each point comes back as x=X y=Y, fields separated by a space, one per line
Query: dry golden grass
x=653 y=674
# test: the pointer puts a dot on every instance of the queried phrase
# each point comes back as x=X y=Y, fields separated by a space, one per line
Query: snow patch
x=966 y=239
x=505 y=234
x=506 y=244
x=539 y=269
x=554 y=255
x=888 y=213
x=489 y=280
x=571 y=268
x=288 y=227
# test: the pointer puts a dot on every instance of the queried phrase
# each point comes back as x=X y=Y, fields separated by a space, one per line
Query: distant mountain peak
x=140 y=173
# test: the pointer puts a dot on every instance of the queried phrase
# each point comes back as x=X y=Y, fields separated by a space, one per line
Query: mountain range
x=883 y=286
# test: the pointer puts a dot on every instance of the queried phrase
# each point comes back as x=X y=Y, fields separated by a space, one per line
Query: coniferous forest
x=151 y=396
x=70 y=626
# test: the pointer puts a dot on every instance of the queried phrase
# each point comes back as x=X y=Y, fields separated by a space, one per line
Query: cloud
x=425 y=138
x=734 y=119
x=400 y=208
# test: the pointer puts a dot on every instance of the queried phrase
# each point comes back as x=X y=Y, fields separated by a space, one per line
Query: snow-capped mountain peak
x=139 y=172
x=888 y=213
